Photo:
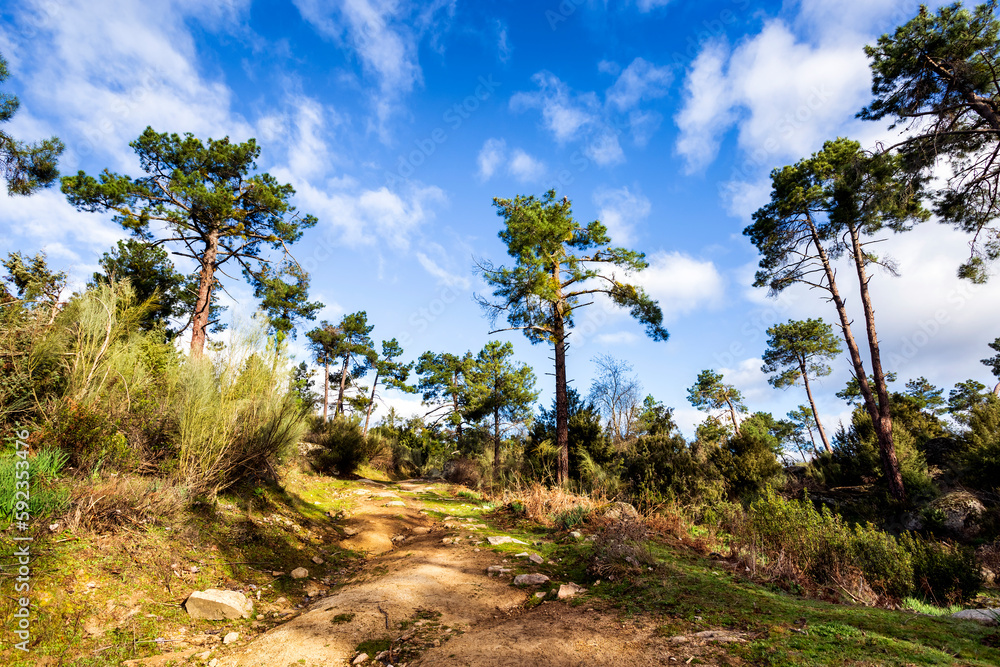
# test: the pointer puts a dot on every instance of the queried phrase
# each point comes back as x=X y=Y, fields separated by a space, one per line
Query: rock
x=913 y=521
x=317 y=560
x=421 y=530
x=360 y=492
x=498 y=570
x=281 y=600
x=231 y=637
x=576 y=535
x=530 y=580
x=536 y=559
x=570 y=590
x=277 y=573
x=215 y=605
x=351 y=532
x=619 y=511
x=523 y=554
x=540 y=594
x=962 y=512
x=214 y=662
x=396 y=503
x=361 y=658
x=204 y=655
x=300 y=573
x=503 y=539
x=984 y=616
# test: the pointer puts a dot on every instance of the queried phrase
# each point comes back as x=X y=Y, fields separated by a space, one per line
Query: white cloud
x=681 y=283
x=385 y=35
x=503 y=47
x=646 y=6
x=605 y=150
x=564 y=114
x=707 y=109
x=620 y=210
x=617 y=338
x=524 y=167
x=640 y=81
x=491 y=156
x=444 y=276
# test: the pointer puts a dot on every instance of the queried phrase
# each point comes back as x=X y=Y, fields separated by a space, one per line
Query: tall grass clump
x=236 y=416
x=45 y=496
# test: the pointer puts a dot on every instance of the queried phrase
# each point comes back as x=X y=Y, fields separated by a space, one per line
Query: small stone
x=503 y=539
x=193 y=569
x=214 y=662
x=277 y=573
x=530 y=580
x=361 y=658
x=360 y=492
x=300 y=573
x=536 y=559
x=576 y=535
x=396 y=503
x=204 y=655
x=570 y=590
x=317 y=560
x=260 y=617
x=230 y=638
x=380 y=656
x=498 y=571
x=540 y=594
x=351 y=532
x=523 y=554
x=53 y=527
x=421 y=530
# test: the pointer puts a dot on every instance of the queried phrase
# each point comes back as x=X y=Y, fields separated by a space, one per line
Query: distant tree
x=994 y=364
x=616 y=391
x=26 y=167
x=965 y=396
x=301 y=385
x=392 y=373
x=501 y=389
x=558 y=263
x=355 y=350
x=655 y=418
x=796 y=350
x=802 y=417
x=926 y=396
x=710 y=393
x=284 y=301
x=443 y=384
x=34 y=283
x=937 y=75
x=207 y=201
x=323 y=345
x=851 y=393
x=824 y=207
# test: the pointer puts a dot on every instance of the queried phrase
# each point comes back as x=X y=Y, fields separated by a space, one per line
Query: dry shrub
x=674 y=522
x=621 y=548
x=463 y=471
x=543 y=504
x=118 y=503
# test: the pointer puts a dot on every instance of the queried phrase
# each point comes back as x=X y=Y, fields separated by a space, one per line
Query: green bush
x=572 y=517
x=982 y=451
x=663 y=469
x=90 y=439
x=942 y=572
x=748 y=462
x=342 y=447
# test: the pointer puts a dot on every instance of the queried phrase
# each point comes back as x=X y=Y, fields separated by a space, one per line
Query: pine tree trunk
x=343 y=383
x=203 y=305
x=371 y=404
x=852 y=346
x=812 y=405
x=496 y=442
x=882 y=413
x=562 y=403
x=326 y=385
x=732 y=416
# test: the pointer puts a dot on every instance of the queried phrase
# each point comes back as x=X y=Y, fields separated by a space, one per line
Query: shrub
x=342 y=447
x=943 y=572
x=748 y=462
x=663 y=469
x=464 y=471
x=88 y=436
x=620 y=548
x=792 y=540
x=982 y=455
x=570 y=518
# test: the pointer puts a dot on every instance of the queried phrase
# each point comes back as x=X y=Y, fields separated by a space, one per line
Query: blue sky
x=398 y=122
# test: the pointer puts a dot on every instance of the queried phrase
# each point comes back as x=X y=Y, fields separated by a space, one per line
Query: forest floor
x=399 y=571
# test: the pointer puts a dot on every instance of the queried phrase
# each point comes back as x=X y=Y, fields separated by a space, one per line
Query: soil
x=426 y=602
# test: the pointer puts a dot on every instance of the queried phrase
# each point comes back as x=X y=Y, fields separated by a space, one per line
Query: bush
x=570 y=518
x=90 y=439
x=748 y=462
x=943 y=572
x=982 y=454
x=464 y=471
x=663 y=469
x=342 y=447
x=793 y=541
x=620 y=548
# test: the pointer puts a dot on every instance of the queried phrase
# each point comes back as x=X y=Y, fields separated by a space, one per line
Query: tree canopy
x=26 y=167
x=203 y=199
x=557 y=264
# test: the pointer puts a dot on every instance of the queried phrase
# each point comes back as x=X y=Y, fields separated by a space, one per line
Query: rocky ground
x=435 y=591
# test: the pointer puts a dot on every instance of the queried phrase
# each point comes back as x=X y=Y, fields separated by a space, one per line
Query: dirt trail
x=458 y=615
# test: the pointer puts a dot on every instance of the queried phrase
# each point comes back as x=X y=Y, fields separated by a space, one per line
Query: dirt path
x=431 y=603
